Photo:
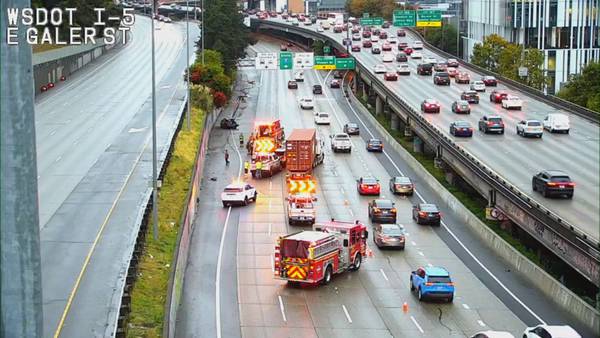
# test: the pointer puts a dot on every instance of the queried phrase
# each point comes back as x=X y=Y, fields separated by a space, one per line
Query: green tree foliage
x=318 y=47
x=225 y=32
x=584 y=88
x=487 y=55
x=211 y=74
x=534 y=62
x=443 y=37
x=383 y=8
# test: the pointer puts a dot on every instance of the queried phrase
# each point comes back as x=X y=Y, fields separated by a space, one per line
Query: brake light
x=556 y=184
x=490 y=123
x=450 y=284
x=422 y=213
x=364 y=186
x=428 y=284
x=393 y=210
x=376 y=210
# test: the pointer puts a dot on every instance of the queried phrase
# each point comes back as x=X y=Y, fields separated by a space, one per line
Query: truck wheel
x=246 y=200
x=225 y=204
x=412 y=286
x=450 y=299
x=327 y=276
x=254 y=198
x=420 y=295
x=357 y=262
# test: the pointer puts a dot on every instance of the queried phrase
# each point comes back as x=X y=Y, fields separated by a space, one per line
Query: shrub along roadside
x=477 y=204
x=150 y=289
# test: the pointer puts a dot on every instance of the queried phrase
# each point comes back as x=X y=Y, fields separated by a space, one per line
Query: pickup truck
x=341 y=142
x=301 y=209
x=271 y=164
x=432 y=282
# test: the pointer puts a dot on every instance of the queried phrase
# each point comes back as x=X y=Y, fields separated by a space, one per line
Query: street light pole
x=202 y=30
x=154 y=157
x=187 y=49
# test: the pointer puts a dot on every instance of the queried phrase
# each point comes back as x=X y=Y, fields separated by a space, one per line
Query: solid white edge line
x=347 y=314
x=220 y=258
x=448 y=229
x=281 y=308
x=466 y=306
x=481 y=323
x=383 y=274
x=416 y=324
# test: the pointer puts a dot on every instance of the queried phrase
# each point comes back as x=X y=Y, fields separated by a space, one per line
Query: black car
x=425 y=213
x=425 y=69
x=382 y=211
x=553 y=183
x=470 y=96
x=374 y=145
x=229 y=124
x=351 y=129
x=441 y=78
x=402 y=185
x=401 y=57
x=292 y=85
x=461 y=128
x=338 y=75
x=491 y=124
x=386 y=24
x=389 y=235
x=461 y=107
x=376 y=50
x=317 y=89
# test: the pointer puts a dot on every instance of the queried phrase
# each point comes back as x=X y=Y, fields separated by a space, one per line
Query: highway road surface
x=512 y=156
x=94 y=164
x=229 y=289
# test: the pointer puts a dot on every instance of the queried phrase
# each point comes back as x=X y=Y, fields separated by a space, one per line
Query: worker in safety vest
x=258 y=168
x=241 y=139
x=246 y=167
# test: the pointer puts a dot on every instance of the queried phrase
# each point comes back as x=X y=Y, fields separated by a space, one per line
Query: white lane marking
x=220 y=258
x=383 y=274
x=347 y=314
x=58 y=159
x=417 y=324
x=342 y=190
x=413 y=243
x=39 y=177
x=481 y=323
x=272 y=264
x=429 y=264
x=270 y=227
x=270 y=203
x=350 y=211
x=518 y=300
x=281 y=308
x=421 y=253
x=271 y=185
x=53 y=132
x=466 y=306
x=136 y=130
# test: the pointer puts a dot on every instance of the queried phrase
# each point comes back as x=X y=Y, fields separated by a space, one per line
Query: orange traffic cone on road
x=405 y=307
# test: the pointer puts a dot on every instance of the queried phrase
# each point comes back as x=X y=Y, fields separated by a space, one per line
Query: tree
x=383 y=8
x=443 y=38
x=487 y=55
x=534 y=62
x=219 y=99
x=584 y=88
x=509 y=61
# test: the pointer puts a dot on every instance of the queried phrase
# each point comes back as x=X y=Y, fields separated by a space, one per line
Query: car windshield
x=439 y=279
x=462 y=124
x=384 y=204
x=402 y=180
x=442 y=74
x=429 y=207
x=430 y=101
x=477 y=83
x=374 y=141
x=352 y=125
x=342 y=137
x=391 y=230
x=534 y=123
x=308 y=100
x=369 y=180
x=495 y=119
x=560 y=179
x=323 y=115
x=463 y=104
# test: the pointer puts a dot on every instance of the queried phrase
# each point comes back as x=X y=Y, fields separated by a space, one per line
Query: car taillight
x=376 y=210
x=490 y=123
x=364 y=186
x=450 y=284
x=422 y=213
x=428 y=284
x=393 y=210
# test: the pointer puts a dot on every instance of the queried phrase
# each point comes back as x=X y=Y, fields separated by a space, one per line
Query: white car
x=387 y=57
x=416 y=55
x=374 y=38
x=530 y=128
x=322 y=118
x=238 y=193
x=551 y=331
x=341 y=142
x=306 y=102
x=299 y=76
x=325 y=25
x=512 y=102
x=320 y=29
x=379 y=69
x=478 y=86
x=392 y=39
x=417 y=44
x=429 y=59
x=557 y=122
x=493 y=334
x=403 y=69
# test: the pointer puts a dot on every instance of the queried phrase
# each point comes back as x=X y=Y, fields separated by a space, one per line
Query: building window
x=553 y=18
x=551 y=60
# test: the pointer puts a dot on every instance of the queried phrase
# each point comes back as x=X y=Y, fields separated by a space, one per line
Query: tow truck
x=301 y=208
x=313 y=257
x=266 y=150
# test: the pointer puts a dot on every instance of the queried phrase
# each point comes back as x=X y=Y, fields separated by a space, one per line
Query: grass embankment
x=150 y=291
x=45 y=47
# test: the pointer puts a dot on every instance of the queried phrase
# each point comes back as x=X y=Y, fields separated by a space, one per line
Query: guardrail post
x=417 y=144
x=437 y=161
x=492 y=198
x=394 y=120
x=365 y=92
x=378 y=105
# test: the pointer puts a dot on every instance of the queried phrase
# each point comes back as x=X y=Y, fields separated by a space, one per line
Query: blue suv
x=432 y=282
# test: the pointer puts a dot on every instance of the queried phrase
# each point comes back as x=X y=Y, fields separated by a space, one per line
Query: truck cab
x=432 y=282
x=265 y=164
x=301 y=209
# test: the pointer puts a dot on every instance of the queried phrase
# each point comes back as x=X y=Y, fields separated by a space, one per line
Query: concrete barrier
x=564 y=298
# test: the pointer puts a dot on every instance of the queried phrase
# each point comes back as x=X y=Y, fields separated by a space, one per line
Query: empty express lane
x=368 y=302
x=513 y=157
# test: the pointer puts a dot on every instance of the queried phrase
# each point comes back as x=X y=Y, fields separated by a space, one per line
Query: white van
x=557 y=122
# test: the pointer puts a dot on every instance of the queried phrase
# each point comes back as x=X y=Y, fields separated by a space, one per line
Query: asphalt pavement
x=356 y=304
x=94 y=164
x=515 y=158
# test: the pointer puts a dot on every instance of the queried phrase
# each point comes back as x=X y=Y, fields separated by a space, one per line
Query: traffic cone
x=405 y=307
x=369 y=252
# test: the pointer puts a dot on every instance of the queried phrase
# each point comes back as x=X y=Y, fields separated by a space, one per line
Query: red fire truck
x=315 y=256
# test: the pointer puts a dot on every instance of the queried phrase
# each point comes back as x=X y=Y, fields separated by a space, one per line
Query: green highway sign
x=403 y=18
x=371 y=21
x=366 y=15
x=326 y=49
x=286 y=60
x=345 y=63
x=324 y=62
x=429 y=18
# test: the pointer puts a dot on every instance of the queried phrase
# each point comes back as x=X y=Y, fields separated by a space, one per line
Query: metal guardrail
x=560 y=227
x=552 y=100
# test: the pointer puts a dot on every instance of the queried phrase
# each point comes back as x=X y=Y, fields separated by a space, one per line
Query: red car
x=368 y=186
x=401 y=32
x=489 y=81
x=402 y=45
x=408 y=51
x=452 y=71
x=386 y=47
x=355 y=30
x=367 y=44
x=462 y=77
x=430 y=106
x=497 y=96
x=356 y=48
x=390 y=76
